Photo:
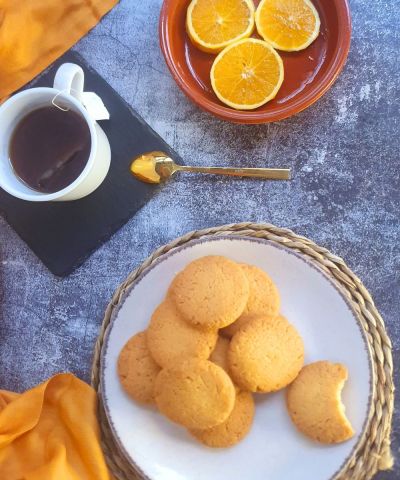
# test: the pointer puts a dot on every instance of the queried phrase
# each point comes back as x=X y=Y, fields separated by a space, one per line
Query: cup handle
x=70 y=78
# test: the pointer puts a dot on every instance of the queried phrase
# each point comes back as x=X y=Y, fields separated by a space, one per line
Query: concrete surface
x=345 y=195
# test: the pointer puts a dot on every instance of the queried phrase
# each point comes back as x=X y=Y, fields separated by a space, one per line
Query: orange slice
x=247 y=74
x=288 y=25
x=214 y=24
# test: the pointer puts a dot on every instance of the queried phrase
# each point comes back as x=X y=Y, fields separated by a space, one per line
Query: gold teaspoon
x=156 y=167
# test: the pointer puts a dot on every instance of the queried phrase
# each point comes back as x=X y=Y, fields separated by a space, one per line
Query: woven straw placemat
x=373 y=452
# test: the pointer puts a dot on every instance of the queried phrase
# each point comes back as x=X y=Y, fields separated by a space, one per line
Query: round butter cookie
x=234 y=327
x=235 y=427
x=314 y=402
x=169 y=337
x=210 y=292
x=263 y=294
x=137 y=370
x=265 y=355
x=220 y=353
x=263 y=299
x=194 y=393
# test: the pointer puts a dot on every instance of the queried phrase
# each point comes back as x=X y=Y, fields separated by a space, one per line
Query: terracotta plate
x=308 y=74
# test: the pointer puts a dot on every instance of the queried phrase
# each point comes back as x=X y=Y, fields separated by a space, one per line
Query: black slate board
x=64 y=234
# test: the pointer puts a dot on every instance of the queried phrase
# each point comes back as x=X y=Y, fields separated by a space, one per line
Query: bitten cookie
x=137 y=370
x=234 y=428
x=210 y=292
x=195 y=393
x=220 y=353
x=314 y=402
x=265 y=355
x=263 y=299
x=169 y=337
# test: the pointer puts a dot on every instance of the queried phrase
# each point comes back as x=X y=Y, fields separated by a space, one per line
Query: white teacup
x=68 y=89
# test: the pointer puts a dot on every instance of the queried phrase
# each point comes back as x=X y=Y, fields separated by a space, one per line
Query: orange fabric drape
x=51 y=433
x=34 y=33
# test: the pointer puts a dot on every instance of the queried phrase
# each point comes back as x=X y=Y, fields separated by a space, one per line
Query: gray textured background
x=344 y=151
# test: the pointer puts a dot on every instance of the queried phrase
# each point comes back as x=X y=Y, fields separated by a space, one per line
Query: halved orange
x=247 y=74
x=214 y=24
x=288 y=25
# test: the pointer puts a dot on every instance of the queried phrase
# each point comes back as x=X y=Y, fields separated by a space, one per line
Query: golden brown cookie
x=265 y=355
x=314 y=402
x=169 y=337
x=234 y=428
x=220 y=353
x=137 y=370
x=234 y=327
x=263 y=299
x=210 y=292
x=264 y=296
x=195 y=393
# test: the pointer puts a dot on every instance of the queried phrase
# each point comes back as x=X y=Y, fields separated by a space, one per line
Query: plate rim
x=308 y=261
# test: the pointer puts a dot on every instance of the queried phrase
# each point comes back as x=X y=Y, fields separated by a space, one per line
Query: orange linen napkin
x=33 y=33
x=51 y=433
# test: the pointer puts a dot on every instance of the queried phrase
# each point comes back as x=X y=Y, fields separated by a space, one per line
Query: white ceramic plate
x=273 y=449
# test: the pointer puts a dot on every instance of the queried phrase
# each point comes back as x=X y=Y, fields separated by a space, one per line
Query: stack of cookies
x=217 y=338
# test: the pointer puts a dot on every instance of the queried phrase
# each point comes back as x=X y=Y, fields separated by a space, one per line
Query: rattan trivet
x=373 y=452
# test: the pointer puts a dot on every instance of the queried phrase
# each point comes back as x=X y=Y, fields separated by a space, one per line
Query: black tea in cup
x=49 y=148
